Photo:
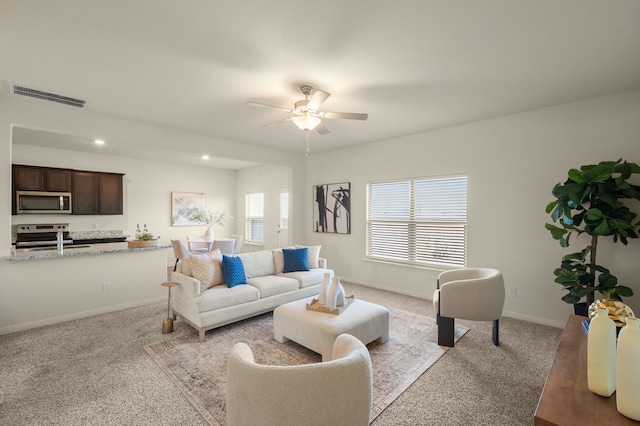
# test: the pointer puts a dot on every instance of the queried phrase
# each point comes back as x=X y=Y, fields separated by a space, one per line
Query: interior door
x=283 y=216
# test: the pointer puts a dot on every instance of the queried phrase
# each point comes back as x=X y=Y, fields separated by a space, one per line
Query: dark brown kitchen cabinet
x=32 y=178
x=97 y=193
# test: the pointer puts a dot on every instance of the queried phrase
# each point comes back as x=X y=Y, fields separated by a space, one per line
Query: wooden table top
x=566 y=398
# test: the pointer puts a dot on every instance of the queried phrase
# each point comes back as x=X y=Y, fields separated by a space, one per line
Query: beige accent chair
x=336 y=392
x=475 y=294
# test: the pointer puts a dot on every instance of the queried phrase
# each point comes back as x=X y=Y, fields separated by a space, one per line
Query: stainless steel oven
x=42 y=235
x=43 y=202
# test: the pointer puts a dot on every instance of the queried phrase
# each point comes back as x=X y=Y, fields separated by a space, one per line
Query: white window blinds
x=418 y=221
x=255 y=217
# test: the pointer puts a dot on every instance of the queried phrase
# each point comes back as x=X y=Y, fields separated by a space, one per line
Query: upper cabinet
x=97 y=193
x=92 y=193
x=31 y=178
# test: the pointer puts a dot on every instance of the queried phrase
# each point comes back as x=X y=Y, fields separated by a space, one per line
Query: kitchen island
x=42 y=287
x=78 y=250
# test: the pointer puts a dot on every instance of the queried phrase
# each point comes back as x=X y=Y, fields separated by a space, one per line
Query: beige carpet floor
x=95 y=371
x=199 y=369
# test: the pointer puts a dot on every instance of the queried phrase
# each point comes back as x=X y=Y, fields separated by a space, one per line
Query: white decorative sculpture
x=335 y=296
x=324 y=288
x=601 y=354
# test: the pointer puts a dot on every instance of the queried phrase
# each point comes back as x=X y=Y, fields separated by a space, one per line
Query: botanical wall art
x=182 y=205
x=332 y=208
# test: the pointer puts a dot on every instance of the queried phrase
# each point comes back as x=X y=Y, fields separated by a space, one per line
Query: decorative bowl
x=618 y=311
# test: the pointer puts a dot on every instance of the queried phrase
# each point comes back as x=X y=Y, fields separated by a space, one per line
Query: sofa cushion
x=308 y=278
x=221 y=296
x=258 y=263
x=313 y=256
x=295 y=259
x=278 y=259
x=270 y=285
x=233 y=271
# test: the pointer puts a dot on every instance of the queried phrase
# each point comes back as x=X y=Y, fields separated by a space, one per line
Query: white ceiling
x=413 y=66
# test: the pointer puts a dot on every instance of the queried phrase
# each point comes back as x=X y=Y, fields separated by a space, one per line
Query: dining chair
x=238 y=239
x=198 y=244
x=179 y=251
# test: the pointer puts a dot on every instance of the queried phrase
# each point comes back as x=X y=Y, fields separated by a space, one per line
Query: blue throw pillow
x=233 y=271
x=296 y=259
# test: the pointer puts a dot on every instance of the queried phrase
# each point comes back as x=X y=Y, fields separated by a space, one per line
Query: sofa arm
x=322 y=263
x=188 y=287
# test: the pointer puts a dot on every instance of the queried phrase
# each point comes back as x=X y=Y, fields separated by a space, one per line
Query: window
x=418 y=221
x=255 y=217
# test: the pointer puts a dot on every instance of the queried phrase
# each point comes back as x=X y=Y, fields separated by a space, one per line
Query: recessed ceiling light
x=205 y=157
x=98 y=142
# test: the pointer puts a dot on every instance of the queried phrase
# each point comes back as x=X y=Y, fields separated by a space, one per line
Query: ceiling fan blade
x=268 y=106
x=320 y=128
x=318 y=97
x=284 y=120
x=345 y=115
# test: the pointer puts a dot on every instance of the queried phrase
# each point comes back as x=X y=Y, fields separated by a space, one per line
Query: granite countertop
x=79 y=250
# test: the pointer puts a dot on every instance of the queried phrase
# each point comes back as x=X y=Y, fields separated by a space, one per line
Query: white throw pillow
x=207 y=268
x=216 y=259
x=202 y=269
x=313 y=256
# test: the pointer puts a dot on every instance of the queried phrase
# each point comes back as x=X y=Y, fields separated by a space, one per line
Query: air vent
x=47 y=96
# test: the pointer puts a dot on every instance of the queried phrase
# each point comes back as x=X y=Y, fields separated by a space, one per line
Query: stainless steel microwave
x=43 y=202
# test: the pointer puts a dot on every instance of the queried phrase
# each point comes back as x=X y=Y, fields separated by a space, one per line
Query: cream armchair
x=336 y=392
x=475 y=294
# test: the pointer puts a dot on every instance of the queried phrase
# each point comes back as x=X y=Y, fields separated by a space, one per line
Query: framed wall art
x=182 y=203
x=332 y=208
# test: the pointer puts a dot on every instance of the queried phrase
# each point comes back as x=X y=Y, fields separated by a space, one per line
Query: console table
x=566 y=398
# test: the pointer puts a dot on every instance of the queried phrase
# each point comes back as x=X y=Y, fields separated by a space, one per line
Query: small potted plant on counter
x=590 y=202
x=143 y=239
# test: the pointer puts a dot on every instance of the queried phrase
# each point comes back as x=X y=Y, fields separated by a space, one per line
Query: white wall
x=512 y=163
x=34 y=293
x=265 y=179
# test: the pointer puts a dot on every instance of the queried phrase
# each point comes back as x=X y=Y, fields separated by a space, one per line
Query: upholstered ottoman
x=318 y=330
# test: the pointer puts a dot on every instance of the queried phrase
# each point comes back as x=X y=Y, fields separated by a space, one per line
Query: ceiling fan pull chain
x=307 y=136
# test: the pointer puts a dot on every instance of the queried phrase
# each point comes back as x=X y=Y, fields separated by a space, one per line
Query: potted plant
x=209 y=218
x=590 y=202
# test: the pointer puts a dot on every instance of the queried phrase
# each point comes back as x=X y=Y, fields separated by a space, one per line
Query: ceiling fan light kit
x=306 y=121
x=306 y=115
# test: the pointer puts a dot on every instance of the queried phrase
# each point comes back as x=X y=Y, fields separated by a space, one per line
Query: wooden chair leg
x=496 y=327
x=445 y=331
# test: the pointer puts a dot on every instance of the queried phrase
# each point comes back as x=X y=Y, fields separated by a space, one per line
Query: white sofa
x=266 y=288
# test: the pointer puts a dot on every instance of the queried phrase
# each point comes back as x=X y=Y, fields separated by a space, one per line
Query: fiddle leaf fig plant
x=590 y=202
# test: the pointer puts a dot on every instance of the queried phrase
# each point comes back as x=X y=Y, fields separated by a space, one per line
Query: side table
x=566 y=398
x=167 y=324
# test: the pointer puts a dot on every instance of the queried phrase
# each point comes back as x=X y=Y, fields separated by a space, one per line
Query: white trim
x=78 y=315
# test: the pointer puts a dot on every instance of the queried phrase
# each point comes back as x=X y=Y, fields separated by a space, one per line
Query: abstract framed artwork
x=182 y=204
x=332 y=208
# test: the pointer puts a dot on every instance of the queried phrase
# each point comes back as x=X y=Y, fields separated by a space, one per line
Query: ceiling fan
x=305 y=112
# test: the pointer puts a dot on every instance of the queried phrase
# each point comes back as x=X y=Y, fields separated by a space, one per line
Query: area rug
x=199 y=369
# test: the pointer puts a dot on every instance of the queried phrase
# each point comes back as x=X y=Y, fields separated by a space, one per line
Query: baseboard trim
x=515 y=315
x=63 y=318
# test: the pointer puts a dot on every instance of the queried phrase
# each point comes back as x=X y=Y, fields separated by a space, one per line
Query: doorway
x=283 y=217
